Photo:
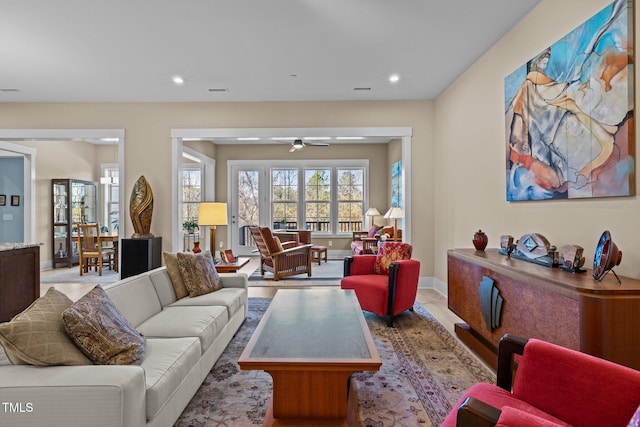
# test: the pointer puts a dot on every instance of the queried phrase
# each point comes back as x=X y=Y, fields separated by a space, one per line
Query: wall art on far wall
x=3 y=200
x=569 y=114
x=15 y=200
x=396 y=184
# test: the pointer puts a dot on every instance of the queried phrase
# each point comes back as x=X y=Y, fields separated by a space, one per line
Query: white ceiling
x=257 y=50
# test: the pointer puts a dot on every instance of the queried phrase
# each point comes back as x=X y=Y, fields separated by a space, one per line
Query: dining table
x=107 y=236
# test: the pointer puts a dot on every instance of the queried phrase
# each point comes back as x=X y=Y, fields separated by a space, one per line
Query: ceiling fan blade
x=318 y=144
x=292 y=149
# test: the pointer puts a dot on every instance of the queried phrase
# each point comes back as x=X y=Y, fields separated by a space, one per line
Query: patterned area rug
x=425 y=370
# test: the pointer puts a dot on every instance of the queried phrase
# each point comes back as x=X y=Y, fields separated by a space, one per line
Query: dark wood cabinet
x=19 y=279
x=569 y=309
x=140 y=255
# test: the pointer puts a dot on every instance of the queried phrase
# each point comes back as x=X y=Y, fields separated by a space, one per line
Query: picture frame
x=229 y=256
x=223 y=256
x=3 y=200
x=15 y=200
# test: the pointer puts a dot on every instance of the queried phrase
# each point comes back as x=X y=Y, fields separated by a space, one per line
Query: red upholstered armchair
x=553 y=386
x=385 y=284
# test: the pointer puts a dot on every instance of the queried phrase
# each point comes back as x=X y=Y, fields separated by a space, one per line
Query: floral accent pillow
x=389 y=252
x=101 y=332
x=198 y=273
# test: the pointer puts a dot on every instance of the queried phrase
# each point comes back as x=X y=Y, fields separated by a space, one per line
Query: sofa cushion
x=512 y=417
x=389 y=252
x=231 y=298
x=198 y=273
x=166 y=365
x=171 y=262
x=37 y=335
x=608 y=395
x=101 y=332
x=372 y=290
x=202 y=322
x=499 y=397
x=135 y=297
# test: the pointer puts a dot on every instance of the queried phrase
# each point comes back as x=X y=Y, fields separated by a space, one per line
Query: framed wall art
x=3 y=200
x=569 y=114
x=396 y=183
x=15 y=200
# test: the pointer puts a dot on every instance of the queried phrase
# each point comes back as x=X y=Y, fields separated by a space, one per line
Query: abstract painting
x=396 y=184
x=570 y=114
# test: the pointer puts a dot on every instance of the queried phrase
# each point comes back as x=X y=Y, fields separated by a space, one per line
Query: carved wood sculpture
x=534 y=247
x=141 y=209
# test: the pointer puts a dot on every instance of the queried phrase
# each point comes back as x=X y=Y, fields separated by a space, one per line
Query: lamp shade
x=212 y=213
x=372 y=212
x=394 y=212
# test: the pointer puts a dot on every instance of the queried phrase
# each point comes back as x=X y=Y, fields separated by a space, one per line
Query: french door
x=249 y=198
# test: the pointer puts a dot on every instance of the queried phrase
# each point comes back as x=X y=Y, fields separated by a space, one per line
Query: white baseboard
x=433 y=283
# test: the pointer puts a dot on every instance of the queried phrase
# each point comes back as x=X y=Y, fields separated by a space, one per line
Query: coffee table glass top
x=312 y=324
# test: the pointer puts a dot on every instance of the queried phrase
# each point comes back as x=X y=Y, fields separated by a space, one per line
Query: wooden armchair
x=280 y=261
x=90 y=249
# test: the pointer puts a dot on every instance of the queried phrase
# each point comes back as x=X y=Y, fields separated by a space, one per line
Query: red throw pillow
x=389 y=252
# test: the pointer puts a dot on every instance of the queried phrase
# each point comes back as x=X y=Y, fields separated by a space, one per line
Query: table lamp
x=212 y=214
x=372 y=212
x=394 y=213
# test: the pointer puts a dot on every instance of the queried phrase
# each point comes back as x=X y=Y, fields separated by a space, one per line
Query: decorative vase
x=480 y=240
x=196 y=247
x=141 y=209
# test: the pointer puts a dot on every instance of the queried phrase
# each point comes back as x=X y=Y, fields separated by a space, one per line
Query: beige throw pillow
x=198 y=273
x=37 y=335
x=98 y=328
x=171 y=262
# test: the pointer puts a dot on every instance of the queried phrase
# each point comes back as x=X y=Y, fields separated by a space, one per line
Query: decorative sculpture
x=141 y=209
x=506 y=244
x=533 y=247
x=606 y=257
x=572 y=259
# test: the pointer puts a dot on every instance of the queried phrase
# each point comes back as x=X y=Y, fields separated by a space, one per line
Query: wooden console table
x=569 y=309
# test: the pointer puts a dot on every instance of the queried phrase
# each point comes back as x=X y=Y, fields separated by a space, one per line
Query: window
x=191 y=194
x=111 y=197
x=317 y=184
x=350 y=199
x=284 y=198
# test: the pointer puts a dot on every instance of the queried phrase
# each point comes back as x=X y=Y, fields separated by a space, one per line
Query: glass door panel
x=248 y=192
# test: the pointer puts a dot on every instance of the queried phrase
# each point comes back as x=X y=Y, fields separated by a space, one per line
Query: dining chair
x=91 y=251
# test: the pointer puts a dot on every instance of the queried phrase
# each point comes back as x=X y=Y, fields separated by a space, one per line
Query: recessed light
x=394 y=78
x=248 y=139
x=285 y=138
x=178 y=80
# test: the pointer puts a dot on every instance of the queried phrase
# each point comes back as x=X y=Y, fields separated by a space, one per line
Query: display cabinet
x=73 y=202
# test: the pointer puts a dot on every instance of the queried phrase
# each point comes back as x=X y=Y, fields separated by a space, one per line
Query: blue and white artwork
x=569 y=114
x=396 y=184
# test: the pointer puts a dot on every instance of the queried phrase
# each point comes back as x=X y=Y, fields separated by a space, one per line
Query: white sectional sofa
x=184 y=338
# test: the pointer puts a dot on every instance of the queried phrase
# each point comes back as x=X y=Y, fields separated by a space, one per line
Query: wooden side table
x=231 y=267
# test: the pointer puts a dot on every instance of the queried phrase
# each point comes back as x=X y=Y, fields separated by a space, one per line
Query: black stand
x=140 y=255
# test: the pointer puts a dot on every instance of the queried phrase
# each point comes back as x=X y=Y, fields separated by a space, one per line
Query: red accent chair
x=553 y=386
x=385 y=284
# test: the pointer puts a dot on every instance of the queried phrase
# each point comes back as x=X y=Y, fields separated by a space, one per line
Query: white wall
x=470 y=148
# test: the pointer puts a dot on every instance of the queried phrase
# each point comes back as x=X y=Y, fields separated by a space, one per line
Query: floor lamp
x=212 y=214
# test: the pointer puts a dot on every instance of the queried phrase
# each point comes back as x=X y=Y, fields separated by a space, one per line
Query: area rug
x=72 y=275
x=330 y=270
x=424 y=372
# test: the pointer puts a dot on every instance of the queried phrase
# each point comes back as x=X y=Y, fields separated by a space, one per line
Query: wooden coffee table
x=310 y=341
x=231 y=267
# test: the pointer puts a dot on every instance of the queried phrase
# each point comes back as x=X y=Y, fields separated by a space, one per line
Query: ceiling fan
x=299 y=143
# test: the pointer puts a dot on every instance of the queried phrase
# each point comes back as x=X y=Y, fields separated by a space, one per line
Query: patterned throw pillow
x=389 y=252
x=37 y=336
x=171 y=262
x=198 y=273
x=98 y=328
x=373 y=230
